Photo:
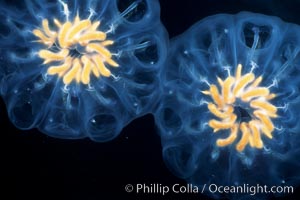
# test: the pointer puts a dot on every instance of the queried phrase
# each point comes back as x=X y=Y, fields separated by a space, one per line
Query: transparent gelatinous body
x=77 y=69
x=230 y=113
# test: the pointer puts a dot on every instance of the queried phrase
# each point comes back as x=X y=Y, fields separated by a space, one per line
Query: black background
x=36 y=166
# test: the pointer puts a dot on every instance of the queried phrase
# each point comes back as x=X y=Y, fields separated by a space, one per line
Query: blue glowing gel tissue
x=77 y=69
x=230 y=113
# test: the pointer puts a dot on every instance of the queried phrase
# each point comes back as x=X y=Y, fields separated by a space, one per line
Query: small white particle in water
x=215 y=154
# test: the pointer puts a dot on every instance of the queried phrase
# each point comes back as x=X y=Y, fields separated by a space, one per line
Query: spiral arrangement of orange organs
x=246 y=89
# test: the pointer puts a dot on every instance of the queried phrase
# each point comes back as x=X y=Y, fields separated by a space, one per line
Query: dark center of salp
x=242 y=114
x=74 y=53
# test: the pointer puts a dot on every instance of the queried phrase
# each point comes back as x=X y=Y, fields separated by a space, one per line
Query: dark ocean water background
x=35 y=166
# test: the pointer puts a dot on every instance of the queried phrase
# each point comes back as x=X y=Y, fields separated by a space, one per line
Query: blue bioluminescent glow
x=77 y=69
x=225 y=94
x=230 y=111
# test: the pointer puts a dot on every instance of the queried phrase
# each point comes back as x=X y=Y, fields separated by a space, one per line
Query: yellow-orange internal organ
x=70 y=36
x=245 y=88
